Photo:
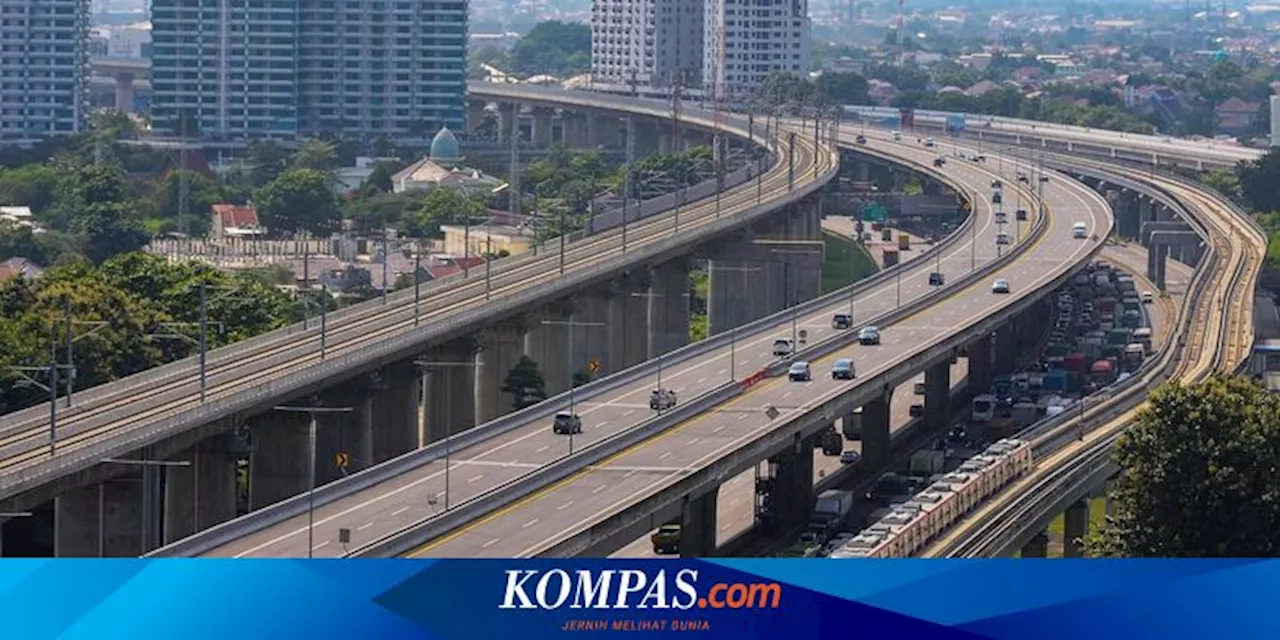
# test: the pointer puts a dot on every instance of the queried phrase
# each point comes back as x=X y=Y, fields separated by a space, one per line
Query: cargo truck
x=832 y=443
x=1025 y=413
x=890 y=257
x=926 y=462
x=886 y=234
x=853 y=424
x=1055 y=380
x=833 y=504
x=904 y=242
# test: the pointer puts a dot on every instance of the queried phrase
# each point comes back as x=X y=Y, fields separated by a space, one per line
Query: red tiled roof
x=234 y=215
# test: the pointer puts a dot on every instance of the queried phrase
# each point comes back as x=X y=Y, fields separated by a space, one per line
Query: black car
x=936 y=279
x=841 y=321
x=861 y=139
x=995 y=198
x=917 y=410
x=939 y=161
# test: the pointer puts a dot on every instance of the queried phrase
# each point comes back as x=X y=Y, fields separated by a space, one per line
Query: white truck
x=834 y=503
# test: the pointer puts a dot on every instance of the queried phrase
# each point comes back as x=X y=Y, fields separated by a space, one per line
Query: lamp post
x=311 y=412
x=733 y=332
x=427 y=367
x=569 y=369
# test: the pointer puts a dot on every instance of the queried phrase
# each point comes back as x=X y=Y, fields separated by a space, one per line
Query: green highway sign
x=873 y=211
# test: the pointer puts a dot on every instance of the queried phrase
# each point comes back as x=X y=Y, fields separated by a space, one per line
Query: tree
x=202 y=194
x=94 y=202
x=554 y=47
x=1260 y=182
x=525 y=384
x=843 y=88
x=1199 y=475
x=442 y=206
x=268 y=158
x=784 y=88
x=314 y=154
x=30 y=185
x=299 y=199
x=379 y=181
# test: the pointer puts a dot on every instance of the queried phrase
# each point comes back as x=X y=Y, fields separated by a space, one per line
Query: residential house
x=19 y=216
x=19 y=267
x=1236 y=117
x=442 y=168
x=235 y=221
x=881 y=91
x=481 y=239
x=981 y=88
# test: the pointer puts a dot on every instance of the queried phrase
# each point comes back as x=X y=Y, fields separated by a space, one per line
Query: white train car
x=931 y=512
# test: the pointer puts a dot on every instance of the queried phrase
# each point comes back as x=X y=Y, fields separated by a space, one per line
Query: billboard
x=955 y=125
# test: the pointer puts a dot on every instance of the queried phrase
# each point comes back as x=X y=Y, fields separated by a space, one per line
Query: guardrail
x=1121 y=397
x=218 y=535
x=420 y=533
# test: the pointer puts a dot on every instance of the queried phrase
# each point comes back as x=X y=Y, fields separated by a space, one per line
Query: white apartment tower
x=646 y=43
x=759 y=38
x=44 y=59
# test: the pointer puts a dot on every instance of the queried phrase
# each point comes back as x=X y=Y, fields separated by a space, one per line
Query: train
x=912 y=525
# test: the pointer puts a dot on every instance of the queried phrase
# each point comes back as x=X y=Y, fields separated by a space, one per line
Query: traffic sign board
x=593 y=366
x=342 y=460
x=873 y=211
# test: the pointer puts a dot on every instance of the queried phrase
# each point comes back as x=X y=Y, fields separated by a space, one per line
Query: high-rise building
x=286 y=67
x=746 y=40
x=646 y=43
x=44 y=57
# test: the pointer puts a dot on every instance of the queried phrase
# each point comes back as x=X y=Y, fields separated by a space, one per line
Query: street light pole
x=569 y=369
x=311 y=462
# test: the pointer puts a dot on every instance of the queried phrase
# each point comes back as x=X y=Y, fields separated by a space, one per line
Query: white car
x=1000 y=286
x=1079 y=230
x=1148 y=297
x=781 y=348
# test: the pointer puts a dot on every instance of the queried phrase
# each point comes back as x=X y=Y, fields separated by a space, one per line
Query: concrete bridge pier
x=203 y=494
x=875 y=431
x=980 y=365
x=278 y=464
x=937 y=394
x=540 y=134
x=668 y=307
x=576 y=132
x=792 y=494
x=604 y=131
x=124 y=92
x=548 y=344
x=396 y=408
x=103 y=520
x=627 y=321
x=508 y=121
x=698 y=525
x=1037 y=547
x=475 y=115
x=501 y=347
x=645 y=131
x=1005 y=348
x=451 y=385
x=1075 y=527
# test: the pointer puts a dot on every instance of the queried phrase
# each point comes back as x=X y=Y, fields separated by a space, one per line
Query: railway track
x=1218 y=338
x=101 y=416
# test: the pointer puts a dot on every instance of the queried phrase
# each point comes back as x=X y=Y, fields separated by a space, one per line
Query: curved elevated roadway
x=120 y=417
x=546 y=521
x=387 y=507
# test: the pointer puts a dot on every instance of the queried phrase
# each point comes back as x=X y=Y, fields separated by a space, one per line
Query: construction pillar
x=541 y=131
x=451 y=388
x=698 y=525
x=278 y=464
x=937 y=394
x=344 y=438
x=646 y=137
x=669 y=307
x=396 y=410
x=203 y=494
x=548 y=344
x=575 y=129
x=592 y=340
x=875 y=431
x=1037 y=547
x=1075 y=527
x=501 y=347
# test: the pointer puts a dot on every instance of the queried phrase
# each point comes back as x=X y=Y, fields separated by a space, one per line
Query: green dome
x=445 y=146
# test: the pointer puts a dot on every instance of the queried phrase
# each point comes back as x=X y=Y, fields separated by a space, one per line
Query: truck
x=1056 y=380
x=833 y=503
x=1075 y=362
x=853 y=425
x=1102 y=373
x=1120 y=336
x=904 y=242
x=926 y=462
x=890 y=257
x=832 y=443
x=1025 y=413
x=1106 y=305
x=886 y=234
x=666 y=539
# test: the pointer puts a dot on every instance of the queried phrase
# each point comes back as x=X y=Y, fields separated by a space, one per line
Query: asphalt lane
x=547 y=517
x=411 y=497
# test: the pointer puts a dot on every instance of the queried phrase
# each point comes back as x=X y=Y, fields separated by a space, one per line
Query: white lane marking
x=493 y=463
x=399 y=511
x=628 y=412
x=722 y=372
x=490 y=543
x=718 y=429
x=364 y=526
x=701 y=380
x=479 y=477
x=693 y=441
x=543 y=448
x=319 y=546
x=665 y=455
x=600 y=488
x=529 y=523
x=564 y=506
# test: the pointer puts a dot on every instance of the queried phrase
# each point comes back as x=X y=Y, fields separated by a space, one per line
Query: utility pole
x=677 y=143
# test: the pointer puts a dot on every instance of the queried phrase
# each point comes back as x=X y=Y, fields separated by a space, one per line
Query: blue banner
x=738 y=599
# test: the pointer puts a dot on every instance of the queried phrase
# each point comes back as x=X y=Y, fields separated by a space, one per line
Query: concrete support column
x=980 y=365
x=575 y=129
x=1037 y=547
x=646 y=138
x=937 y=394
x=549 y=345
x=698 y=525
x=604 y=131
x=1075 y=527
x=475 y=115
x=451 y=388
x=591 y=342
x=508 y=121
x=669 y=307
x=101 y=520
x=1145 y=213
x=1161 y=252
x=666 y=143
x=500 y=349
x=541 y=132
x=862 y=172
x=202 y=495
x=396 y=410
x=1005 y=349
x=124 y=92
x=278 y=465
x=627 y=324
x=792 y=496
x=345 y=435
x=875 y=431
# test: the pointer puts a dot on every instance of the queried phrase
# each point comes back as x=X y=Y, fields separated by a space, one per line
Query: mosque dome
x=444 y=147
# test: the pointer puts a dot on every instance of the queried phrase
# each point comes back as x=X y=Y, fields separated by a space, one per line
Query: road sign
x=341 y=460
x=873 y=211
x=593 y=366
